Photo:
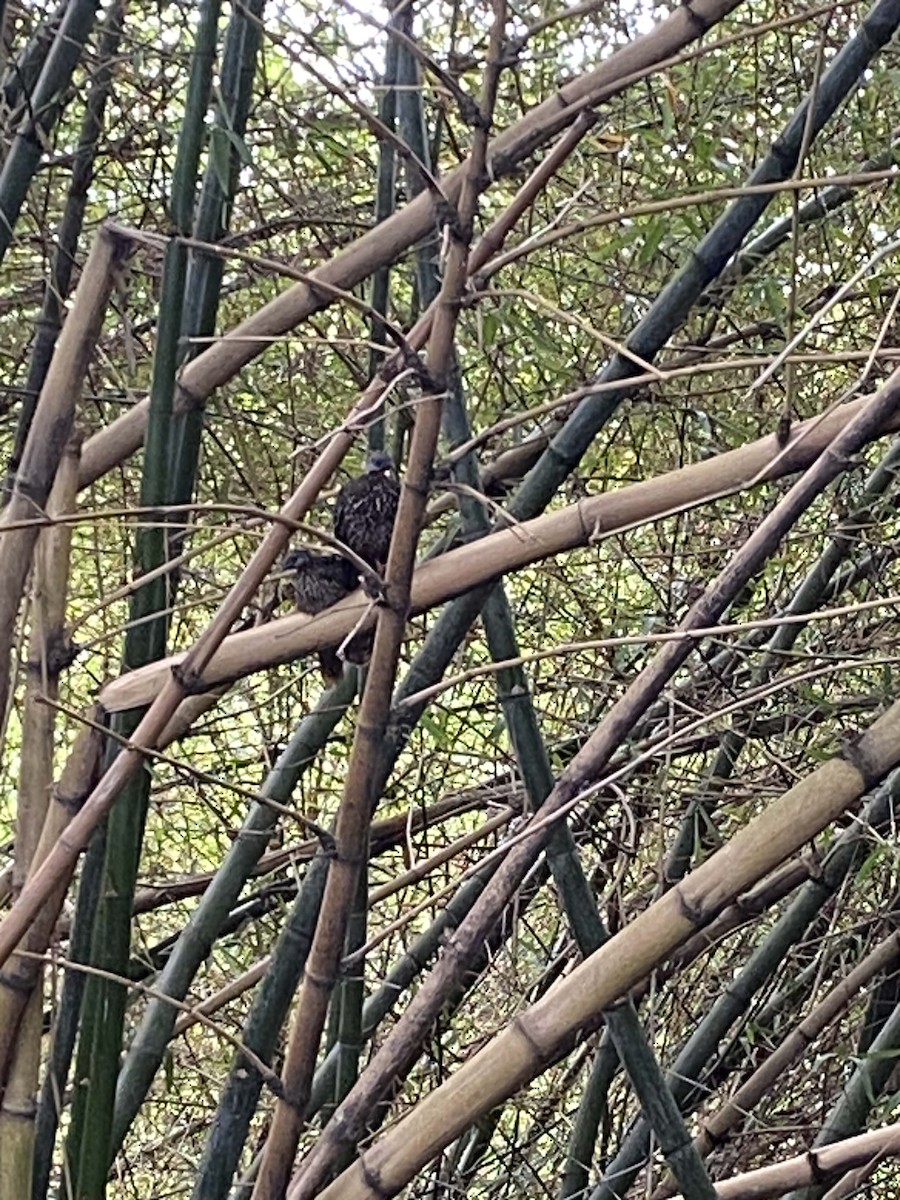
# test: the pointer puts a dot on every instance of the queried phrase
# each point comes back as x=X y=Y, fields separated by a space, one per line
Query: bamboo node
x=853 y=750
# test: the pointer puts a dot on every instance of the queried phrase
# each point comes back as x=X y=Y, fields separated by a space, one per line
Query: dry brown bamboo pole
x=508 y=550
x=46 y=659
x=50 y=429
x=736 y=1110
x=386 y=242
x=536 y=1037
x=819 y=1165
x=19 y=1108
x=354 y=815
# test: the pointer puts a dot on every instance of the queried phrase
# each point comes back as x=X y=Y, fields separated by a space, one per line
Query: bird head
x=297 y=560
x=380 y=463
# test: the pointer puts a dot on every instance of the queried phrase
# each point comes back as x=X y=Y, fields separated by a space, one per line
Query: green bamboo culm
x=60 y=280
x=45 y=104
x=155 y=1030
x=100 y=1043
x=227 y=153
x=204 y=275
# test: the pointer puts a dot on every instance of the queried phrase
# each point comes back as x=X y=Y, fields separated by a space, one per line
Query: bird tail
x=331 y=667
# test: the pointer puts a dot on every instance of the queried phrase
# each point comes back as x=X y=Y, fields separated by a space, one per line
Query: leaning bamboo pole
x=354 y=815
x=814 y=1167
x=539 y=1035
x=50 y=429
x=510 y=549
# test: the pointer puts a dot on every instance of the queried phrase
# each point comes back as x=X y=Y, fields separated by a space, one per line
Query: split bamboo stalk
x=536 y=1037
x=388 y=241
x=510 y=549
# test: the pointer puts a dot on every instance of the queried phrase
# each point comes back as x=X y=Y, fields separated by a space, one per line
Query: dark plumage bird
x=319 y=581
x=366 y=509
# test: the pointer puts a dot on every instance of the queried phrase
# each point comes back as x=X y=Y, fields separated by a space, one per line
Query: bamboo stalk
x=506 y=550
x=533 y=1039
x=50 y=430
x=42 y=112
x=45 y=662
x=814 y=1167
x=368 y=751
x=56 y=289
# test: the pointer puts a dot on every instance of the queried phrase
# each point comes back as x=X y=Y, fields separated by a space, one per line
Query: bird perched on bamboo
x=320 y=580
x=365 y=511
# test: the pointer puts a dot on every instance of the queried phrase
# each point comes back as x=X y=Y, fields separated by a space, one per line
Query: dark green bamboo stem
x=214 y=209
x=152 y=1037
x=592 y=1109
x=578 y=899
x=59 y=284
x=349 y=998
x=65 y=1029
x=413 y=130
x=46 y=105
x=101 y=1041
x=23 y=72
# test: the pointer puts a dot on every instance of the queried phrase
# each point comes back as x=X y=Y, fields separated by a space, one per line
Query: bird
x=365 y=511
x=320 y=580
